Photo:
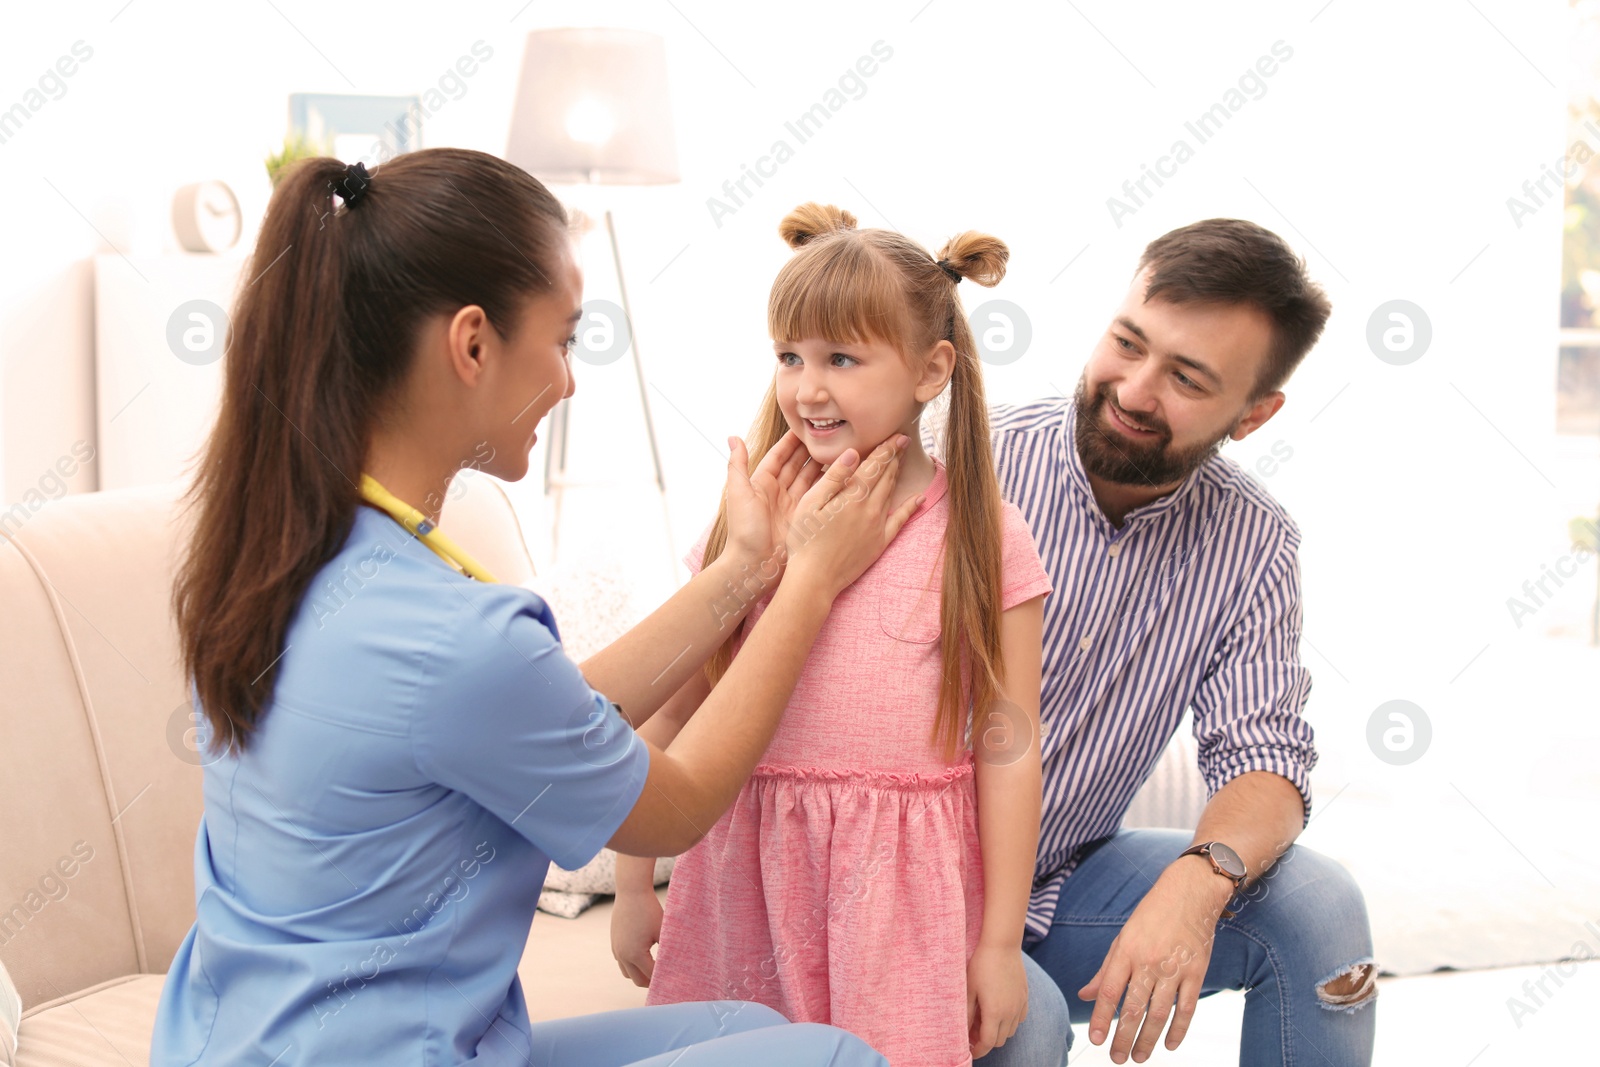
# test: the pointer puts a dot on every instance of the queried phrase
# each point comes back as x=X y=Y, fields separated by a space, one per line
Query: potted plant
x=296 y=146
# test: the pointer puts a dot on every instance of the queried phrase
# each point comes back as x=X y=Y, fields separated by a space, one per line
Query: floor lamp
x=592 y=107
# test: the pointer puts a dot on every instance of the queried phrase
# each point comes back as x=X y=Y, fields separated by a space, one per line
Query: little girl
x=874 y=872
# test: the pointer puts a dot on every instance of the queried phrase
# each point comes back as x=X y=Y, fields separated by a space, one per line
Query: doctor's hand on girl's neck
x=473 y=397
x=856 y=394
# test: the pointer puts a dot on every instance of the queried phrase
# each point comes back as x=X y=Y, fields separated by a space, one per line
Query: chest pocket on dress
x=909 y=612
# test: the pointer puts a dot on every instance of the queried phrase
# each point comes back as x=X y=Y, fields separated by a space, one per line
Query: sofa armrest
x=10 y=1018
x=479 y=516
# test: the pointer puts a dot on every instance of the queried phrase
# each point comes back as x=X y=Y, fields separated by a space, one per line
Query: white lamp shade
x=592 y=106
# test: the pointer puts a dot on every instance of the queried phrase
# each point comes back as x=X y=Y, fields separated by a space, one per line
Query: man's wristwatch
x=1224 y=860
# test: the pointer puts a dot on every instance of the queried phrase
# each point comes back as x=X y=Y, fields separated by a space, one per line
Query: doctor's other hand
x=844 y=521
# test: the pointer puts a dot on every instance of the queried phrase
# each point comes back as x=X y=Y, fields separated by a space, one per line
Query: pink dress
x=845 y=884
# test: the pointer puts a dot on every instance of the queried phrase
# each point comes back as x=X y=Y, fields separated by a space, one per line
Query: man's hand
x=1158 y=960
x=997 y=996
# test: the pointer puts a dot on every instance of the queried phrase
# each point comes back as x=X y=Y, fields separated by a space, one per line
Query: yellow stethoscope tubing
x=424 y=530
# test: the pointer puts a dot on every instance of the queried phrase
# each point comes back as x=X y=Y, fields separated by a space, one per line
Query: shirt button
x=1084 y=644
x=1115 y=550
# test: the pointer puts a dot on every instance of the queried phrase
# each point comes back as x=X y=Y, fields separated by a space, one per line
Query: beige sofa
x=100 y=787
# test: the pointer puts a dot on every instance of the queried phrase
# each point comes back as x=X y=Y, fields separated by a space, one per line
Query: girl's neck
x=916 y=472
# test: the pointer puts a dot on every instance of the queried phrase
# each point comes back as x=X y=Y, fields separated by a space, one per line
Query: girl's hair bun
x=977 y=256
x=813 y=220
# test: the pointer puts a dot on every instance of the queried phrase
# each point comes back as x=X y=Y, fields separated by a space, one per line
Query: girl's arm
x=636 y=915
x=638 y=872
x=1006 y=744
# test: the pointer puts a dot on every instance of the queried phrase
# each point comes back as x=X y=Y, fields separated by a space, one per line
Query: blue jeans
x=1295 y=930
x=721 y=1033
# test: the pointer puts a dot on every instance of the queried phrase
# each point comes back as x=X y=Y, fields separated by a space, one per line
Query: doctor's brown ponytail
x=323 y=333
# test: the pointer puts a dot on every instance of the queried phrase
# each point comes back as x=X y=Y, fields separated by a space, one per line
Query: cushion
x=569 y=893
x=106 y=1023
x=592 y=599
x=97 y=880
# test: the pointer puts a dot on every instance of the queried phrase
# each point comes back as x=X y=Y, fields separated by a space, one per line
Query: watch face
x=1227 y=859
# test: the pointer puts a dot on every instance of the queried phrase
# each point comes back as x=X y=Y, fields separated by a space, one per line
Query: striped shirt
x=1193 y=603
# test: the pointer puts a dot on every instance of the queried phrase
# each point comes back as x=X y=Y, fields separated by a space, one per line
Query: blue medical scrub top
x=366 y=871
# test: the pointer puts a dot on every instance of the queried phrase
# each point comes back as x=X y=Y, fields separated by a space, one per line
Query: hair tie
x=353 y=186
x=950 y=272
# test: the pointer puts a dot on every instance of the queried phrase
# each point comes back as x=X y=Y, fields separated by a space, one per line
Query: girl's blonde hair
x=845 y=284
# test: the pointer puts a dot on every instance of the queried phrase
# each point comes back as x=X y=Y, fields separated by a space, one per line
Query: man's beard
x=1123 y=460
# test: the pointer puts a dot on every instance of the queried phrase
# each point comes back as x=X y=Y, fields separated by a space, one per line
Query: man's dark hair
x=1231 y=261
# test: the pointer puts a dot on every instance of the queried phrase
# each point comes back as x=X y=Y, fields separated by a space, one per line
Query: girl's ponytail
x=323 y=334
x=812 y=220
x=970 y=601
x=977 y=256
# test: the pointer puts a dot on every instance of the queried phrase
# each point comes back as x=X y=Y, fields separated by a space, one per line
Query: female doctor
x=399 y=745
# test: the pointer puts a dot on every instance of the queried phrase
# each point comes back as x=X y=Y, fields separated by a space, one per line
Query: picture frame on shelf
x=369 y=129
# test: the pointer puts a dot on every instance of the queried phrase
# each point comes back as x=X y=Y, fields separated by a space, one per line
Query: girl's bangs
x=837 y=290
